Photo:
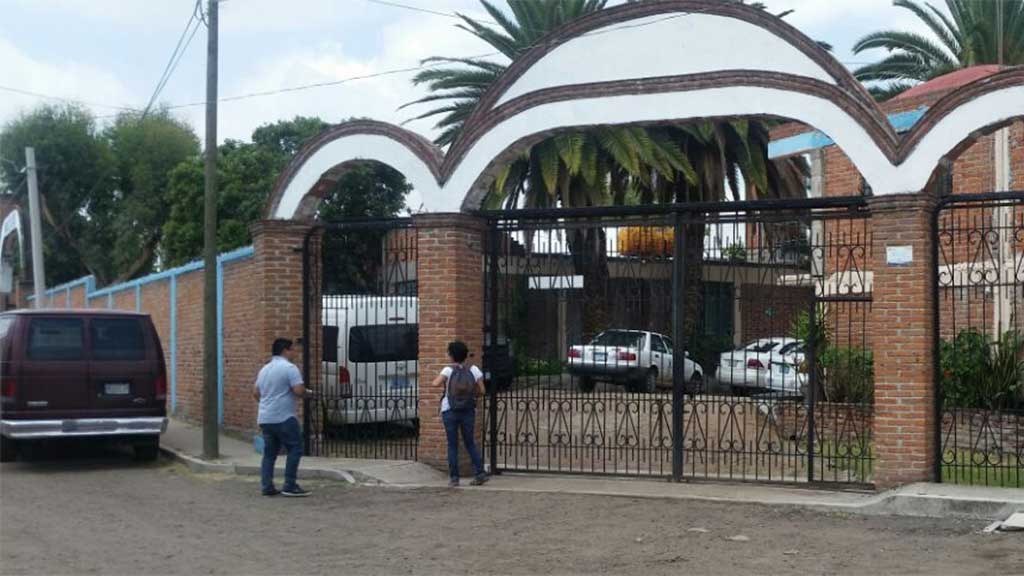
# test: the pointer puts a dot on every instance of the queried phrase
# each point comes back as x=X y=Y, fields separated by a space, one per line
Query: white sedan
x=642 y=361
x=768 y=364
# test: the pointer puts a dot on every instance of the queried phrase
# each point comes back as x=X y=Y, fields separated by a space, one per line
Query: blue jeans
x=275 y=436
x=453 y=422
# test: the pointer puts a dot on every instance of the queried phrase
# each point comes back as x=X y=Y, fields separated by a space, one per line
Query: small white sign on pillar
x=899 y=255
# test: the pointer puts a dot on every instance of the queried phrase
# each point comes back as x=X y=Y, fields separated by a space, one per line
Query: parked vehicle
x=642 y=361
x=370 y=346
x=768 y=364
x=97 y=374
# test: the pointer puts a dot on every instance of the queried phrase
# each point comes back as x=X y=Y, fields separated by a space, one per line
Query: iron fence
x=979 y=296
x=766 y=303
x=361 y=340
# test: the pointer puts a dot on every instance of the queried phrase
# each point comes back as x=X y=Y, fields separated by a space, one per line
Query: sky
x=111 y=53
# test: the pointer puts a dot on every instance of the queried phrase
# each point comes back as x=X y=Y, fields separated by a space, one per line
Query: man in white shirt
x=278 y=386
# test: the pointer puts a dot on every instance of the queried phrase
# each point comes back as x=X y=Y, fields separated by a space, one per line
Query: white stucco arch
x=359 y=147
x=637 y=49
x=609 y=68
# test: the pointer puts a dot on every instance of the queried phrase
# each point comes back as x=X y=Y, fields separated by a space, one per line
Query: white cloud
x=67 y=79
x=405 y=44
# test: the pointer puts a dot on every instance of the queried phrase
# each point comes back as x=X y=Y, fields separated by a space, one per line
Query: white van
x=370 y=346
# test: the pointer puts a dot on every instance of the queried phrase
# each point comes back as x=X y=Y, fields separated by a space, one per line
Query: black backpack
x=461 y=389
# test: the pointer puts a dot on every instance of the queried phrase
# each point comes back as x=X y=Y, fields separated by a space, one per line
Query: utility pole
x=35 y=222
x=211 y=427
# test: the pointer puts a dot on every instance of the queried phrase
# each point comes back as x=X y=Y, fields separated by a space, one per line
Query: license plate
x=399 y=382
x=117 y=389
x=785 y=369
x=601 y=357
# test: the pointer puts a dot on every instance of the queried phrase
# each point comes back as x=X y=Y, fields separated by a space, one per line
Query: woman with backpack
x=462 y=384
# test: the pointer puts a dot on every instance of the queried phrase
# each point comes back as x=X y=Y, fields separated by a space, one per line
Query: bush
x=849 y=374
x=982 y=374
x=537 y=367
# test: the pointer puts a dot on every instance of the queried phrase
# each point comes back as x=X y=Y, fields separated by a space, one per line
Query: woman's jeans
x=465 y=421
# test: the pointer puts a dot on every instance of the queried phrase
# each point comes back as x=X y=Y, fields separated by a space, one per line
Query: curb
x=897 y=502
x=200 y=466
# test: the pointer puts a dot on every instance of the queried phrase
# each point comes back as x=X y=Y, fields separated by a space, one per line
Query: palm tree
x=602 y=166
x=967 y=36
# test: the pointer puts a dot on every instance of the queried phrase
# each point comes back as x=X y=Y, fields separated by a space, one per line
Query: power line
x=63 y=99
x=417 y=9
x=179 y=51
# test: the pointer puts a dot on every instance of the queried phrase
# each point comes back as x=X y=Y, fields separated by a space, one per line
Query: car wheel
x=650 y=382
x=8 y=449
x=586 y=384
x=147 y=451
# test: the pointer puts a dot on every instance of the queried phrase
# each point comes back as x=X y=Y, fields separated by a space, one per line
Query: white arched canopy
x=611 y=67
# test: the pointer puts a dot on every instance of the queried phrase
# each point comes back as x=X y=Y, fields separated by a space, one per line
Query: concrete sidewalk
x=184 y=442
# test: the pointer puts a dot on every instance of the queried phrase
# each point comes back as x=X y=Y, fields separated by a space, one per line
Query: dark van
x=81 y=374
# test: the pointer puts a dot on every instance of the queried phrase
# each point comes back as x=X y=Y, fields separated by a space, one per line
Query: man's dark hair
x=458 y=351
x=280 y=345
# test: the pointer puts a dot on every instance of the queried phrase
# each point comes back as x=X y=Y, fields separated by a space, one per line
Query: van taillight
x=755 y=364
x=344 y=382
x=9 y=388
x=160 y=386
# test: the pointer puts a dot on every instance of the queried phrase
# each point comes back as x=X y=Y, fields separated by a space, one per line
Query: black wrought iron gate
x=765 y=302
x=361 y=339
x=979 y=344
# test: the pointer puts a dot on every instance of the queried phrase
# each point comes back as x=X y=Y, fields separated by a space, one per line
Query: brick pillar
x=903 y=329
x=278 y=286
x=450 y=280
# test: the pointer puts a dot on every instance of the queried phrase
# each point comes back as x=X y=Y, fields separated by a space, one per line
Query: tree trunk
x=694 y=277
x=589 y=248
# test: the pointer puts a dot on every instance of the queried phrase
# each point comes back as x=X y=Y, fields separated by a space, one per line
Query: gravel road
x=109 y=515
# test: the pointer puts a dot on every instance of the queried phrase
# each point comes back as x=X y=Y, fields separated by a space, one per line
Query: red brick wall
x=189 y=315
x=769 y=311
x=451 y=294
x=901 y=323
x=242 y=353
x=841 y=177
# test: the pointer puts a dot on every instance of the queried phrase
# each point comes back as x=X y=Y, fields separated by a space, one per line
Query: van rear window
x=116 y=339
x=383 y=343
x=55 y=339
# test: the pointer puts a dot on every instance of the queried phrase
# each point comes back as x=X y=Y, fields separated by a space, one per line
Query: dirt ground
x=109 y=515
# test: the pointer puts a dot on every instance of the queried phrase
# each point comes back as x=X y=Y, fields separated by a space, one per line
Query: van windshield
x=383 y=343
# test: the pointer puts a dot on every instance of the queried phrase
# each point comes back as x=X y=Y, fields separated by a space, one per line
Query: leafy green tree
x=247 y=173
x=352 y=260
x=967 y=34
x=145 y=150
x=102 y=191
